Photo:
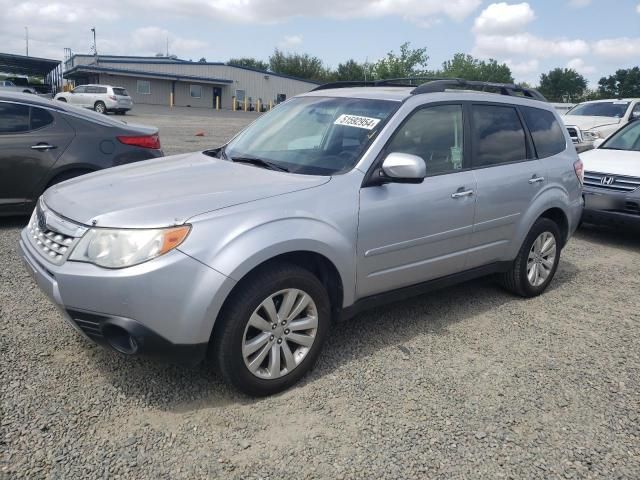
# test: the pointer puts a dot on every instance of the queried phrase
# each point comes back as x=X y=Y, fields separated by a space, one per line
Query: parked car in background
x=101 y=98
x=590 y=121
x=9 y=86
x=43 y=142
x=612 y=178
x=561 y=107
x=337 y=200
x=39 y=88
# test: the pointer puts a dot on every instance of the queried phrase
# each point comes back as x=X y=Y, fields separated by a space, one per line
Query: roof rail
x=387 y=82
x=503 y=88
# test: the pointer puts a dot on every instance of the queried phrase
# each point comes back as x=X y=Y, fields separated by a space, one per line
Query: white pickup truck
x=9 y=85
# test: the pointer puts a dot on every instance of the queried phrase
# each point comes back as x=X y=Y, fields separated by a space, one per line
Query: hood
x=616 y=162
x=168 y=191
x=584 y=122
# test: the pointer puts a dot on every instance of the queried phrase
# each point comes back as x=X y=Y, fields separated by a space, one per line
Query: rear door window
x=14 y=118
x=498 y=135
x=40 y=118
x=548 y=135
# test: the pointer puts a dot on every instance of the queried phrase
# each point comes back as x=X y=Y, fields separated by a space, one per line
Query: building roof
x=179 y=61
x=79 y=69
x=22 y=65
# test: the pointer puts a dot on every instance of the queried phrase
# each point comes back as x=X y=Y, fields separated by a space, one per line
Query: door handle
x=466 y=193
x=43 y=146
x=536 y=179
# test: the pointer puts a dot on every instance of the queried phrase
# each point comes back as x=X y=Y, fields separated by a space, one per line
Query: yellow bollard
x=217 y=103
x=270 y=104
x=259 y=109
x=233 y=103
x=245 y=103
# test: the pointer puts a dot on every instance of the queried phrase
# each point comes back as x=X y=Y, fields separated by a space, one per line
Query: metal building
x=49 y=70
x=163 y=80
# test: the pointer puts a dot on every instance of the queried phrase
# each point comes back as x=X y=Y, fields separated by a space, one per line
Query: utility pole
x=26 y=38
x=167 y=45
x=95 y=46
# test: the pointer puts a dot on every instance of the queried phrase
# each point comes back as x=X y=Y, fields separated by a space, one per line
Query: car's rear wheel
x=272 y=329
x=100 y=107
x=537 y=261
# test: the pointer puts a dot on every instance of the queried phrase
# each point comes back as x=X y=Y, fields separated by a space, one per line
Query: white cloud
x=623 y=48
x=579 y=3
x=580 y=66
x=290 y=41
x=528 y=45
x=275 y=11
x=638 y=8
x=502 y=18
x=152 y=40
x=524 y=68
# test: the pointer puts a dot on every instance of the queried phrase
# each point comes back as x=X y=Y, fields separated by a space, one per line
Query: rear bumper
x=611 y=208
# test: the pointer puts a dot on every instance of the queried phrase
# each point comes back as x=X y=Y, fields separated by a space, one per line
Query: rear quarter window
x=547 y=134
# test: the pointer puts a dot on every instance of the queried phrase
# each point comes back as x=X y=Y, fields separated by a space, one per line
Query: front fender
x=244 y=247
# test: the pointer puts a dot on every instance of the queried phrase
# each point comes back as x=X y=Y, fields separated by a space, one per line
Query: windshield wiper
x=259 y=162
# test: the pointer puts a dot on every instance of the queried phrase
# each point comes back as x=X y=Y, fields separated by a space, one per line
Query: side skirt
x=404 y=293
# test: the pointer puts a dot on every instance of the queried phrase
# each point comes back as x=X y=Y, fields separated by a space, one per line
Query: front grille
x=608 y=181
x=52 y=236
x=574 y=133
x=87 y=322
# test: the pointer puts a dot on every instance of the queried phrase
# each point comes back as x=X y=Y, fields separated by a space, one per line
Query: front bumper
x=167 y=305
x=611 y=208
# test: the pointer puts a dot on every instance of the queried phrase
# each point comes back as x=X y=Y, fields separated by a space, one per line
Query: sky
x=595 y=37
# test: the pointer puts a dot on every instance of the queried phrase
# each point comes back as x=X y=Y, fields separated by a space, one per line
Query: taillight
x=112 y=97
x=578 y=166
x=144 y=141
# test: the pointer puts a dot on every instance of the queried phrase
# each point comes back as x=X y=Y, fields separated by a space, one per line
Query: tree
x=202 y=60
x=352 y=70
x=409 y=63
x=624 y=84
x=562 y=84
x=249 y=62
x=300 y=65
x=470 y=68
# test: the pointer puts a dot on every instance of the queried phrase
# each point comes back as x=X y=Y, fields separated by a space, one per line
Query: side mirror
x=402 y=168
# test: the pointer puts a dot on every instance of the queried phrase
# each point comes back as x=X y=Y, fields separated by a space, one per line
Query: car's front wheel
x=272 y=329
x=537 y=261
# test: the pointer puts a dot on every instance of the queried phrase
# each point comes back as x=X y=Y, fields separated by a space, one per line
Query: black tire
x=515 y=280
x=100 y=107
x=229 y=332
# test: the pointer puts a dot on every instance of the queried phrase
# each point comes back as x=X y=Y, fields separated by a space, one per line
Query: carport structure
x=49 y=70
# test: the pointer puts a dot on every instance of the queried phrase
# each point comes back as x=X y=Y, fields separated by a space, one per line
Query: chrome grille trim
x=621 y=183
x=53 y=237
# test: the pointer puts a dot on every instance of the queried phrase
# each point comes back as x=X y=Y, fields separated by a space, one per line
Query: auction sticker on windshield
x=357 y=121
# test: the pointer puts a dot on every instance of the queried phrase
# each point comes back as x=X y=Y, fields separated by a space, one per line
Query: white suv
x=101 y=98
x=590 y=121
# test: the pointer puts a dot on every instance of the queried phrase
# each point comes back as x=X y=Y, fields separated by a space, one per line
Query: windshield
x=615 y=109
x=627 y=138
x=313 y=135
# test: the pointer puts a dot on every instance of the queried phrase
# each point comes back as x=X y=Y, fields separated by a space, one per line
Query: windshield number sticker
x=620 y=102
x=356 y=121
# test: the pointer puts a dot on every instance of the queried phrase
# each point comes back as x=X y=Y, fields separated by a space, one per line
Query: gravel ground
x=469 y=382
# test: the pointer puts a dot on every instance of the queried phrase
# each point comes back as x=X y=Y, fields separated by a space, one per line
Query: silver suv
x=336 y=201
x=101 y=98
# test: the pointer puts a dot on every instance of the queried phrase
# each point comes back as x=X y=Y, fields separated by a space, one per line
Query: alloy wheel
x=541 y=259
x=280 y=333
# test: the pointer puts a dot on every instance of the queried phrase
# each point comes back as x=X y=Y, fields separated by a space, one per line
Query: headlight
x=591 y=136
x=113 y=248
